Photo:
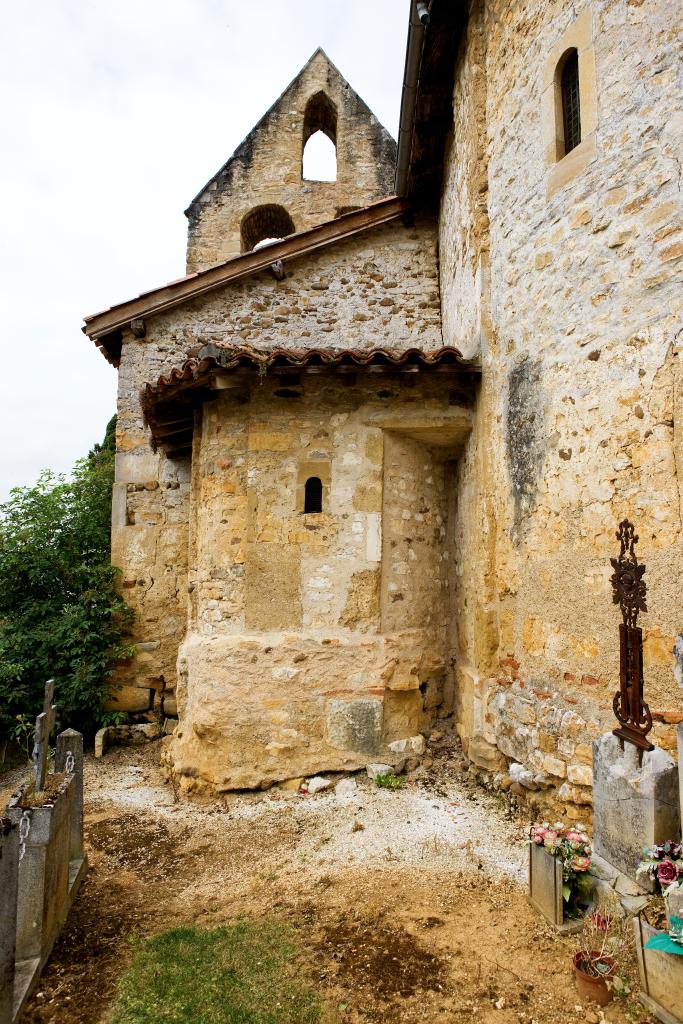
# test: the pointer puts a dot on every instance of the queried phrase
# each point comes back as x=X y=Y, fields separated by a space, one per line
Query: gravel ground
x=460 y=826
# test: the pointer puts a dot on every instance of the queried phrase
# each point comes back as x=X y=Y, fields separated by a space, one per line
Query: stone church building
x=369 y=474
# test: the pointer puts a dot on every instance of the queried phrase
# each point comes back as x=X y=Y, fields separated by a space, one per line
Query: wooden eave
x=431 y=117
x=105 y=328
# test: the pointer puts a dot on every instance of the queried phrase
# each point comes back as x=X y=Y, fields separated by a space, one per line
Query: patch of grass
x=389 y=781
x=238 y=974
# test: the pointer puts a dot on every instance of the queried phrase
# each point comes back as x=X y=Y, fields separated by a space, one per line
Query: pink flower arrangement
x=573 y=847
x=562 y=841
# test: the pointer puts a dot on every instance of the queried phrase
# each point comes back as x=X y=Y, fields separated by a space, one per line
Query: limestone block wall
x=266 y=169
x=463 y=221
x=417 y=551
x=578 y=418
x=150 y=511
x=379 y=288
x=314 y=639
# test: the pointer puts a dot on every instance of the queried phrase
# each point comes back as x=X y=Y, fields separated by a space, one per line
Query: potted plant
x=605 y=961
x=559 y=880
x=594 y=966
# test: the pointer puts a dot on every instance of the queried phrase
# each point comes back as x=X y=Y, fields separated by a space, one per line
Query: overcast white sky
x=114 y=114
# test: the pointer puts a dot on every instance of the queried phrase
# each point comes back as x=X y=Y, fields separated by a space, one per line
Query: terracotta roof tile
x=232 y=357
x=171 y=398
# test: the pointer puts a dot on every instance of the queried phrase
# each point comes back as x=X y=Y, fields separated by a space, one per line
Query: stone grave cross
x=45 y=723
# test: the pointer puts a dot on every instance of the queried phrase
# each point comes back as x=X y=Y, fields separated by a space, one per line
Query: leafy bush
x=60 y=613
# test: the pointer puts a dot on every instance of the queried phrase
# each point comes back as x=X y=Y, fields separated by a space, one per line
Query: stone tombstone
x=545 y=890
x=633 y=806
x=43 y=872
x=545 y=884
x=45 y=723
x=69 y=758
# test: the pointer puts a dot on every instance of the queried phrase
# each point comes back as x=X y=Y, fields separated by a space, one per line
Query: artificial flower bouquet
x=661 y=867
x=573 y=847
x=661 y=870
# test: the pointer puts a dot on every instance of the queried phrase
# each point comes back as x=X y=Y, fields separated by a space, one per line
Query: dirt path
x=410 y=904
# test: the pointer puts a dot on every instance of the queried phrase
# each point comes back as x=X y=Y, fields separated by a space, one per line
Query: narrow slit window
x=571 y=110
x=313 y=495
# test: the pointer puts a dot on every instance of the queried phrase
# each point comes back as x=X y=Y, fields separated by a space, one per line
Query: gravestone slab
x=545 y=884
x=9 y=870
x=633 y=806
x=45 y=723
x=69 y=758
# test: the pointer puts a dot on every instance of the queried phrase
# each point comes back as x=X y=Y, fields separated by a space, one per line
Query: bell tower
x=261 y=192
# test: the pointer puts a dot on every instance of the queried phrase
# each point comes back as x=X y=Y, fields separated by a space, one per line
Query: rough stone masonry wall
x=416 y=552
x=379 y=288
x=579 y=416
x=267 y=168
x=150 y=511
x=314 y=640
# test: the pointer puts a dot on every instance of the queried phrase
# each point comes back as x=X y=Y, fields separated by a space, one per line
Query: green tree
x=61 y=615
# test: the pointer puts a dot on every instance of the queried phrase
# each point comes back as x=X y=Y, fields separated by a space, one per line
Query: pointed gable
x=260 y=192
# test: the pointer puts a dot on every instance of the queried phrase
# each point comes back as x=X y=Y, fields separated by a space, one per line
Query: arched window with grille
x=568 y=72
x=569 y=103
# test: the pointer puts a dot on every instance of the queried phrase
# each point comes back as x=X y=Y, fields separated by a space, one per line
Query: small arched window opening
x=319 y=155
x=313 y=495
x=571 y=108
x=265 y=225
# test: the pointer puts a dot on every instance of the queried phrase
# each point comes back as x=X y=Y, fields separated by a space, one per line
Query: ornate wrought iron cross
x=628 y=591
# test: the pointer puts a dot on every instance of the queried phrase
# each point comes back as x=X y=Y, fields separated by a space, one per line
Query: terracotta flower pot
x=591 y=986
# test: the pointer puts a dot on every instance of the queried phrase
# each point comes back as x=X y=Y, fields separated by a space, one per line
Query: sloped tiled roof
x=105 y=328
x=168 y=403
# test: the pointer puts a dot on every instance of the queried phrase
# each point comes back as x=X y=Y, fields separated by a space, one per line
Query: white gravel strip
x=374 y=826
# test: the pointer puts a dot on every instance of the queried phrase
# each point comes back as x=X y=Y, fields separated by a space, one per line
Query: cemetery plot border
x=42 y=850
x=661 y=976
x=545 y=890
